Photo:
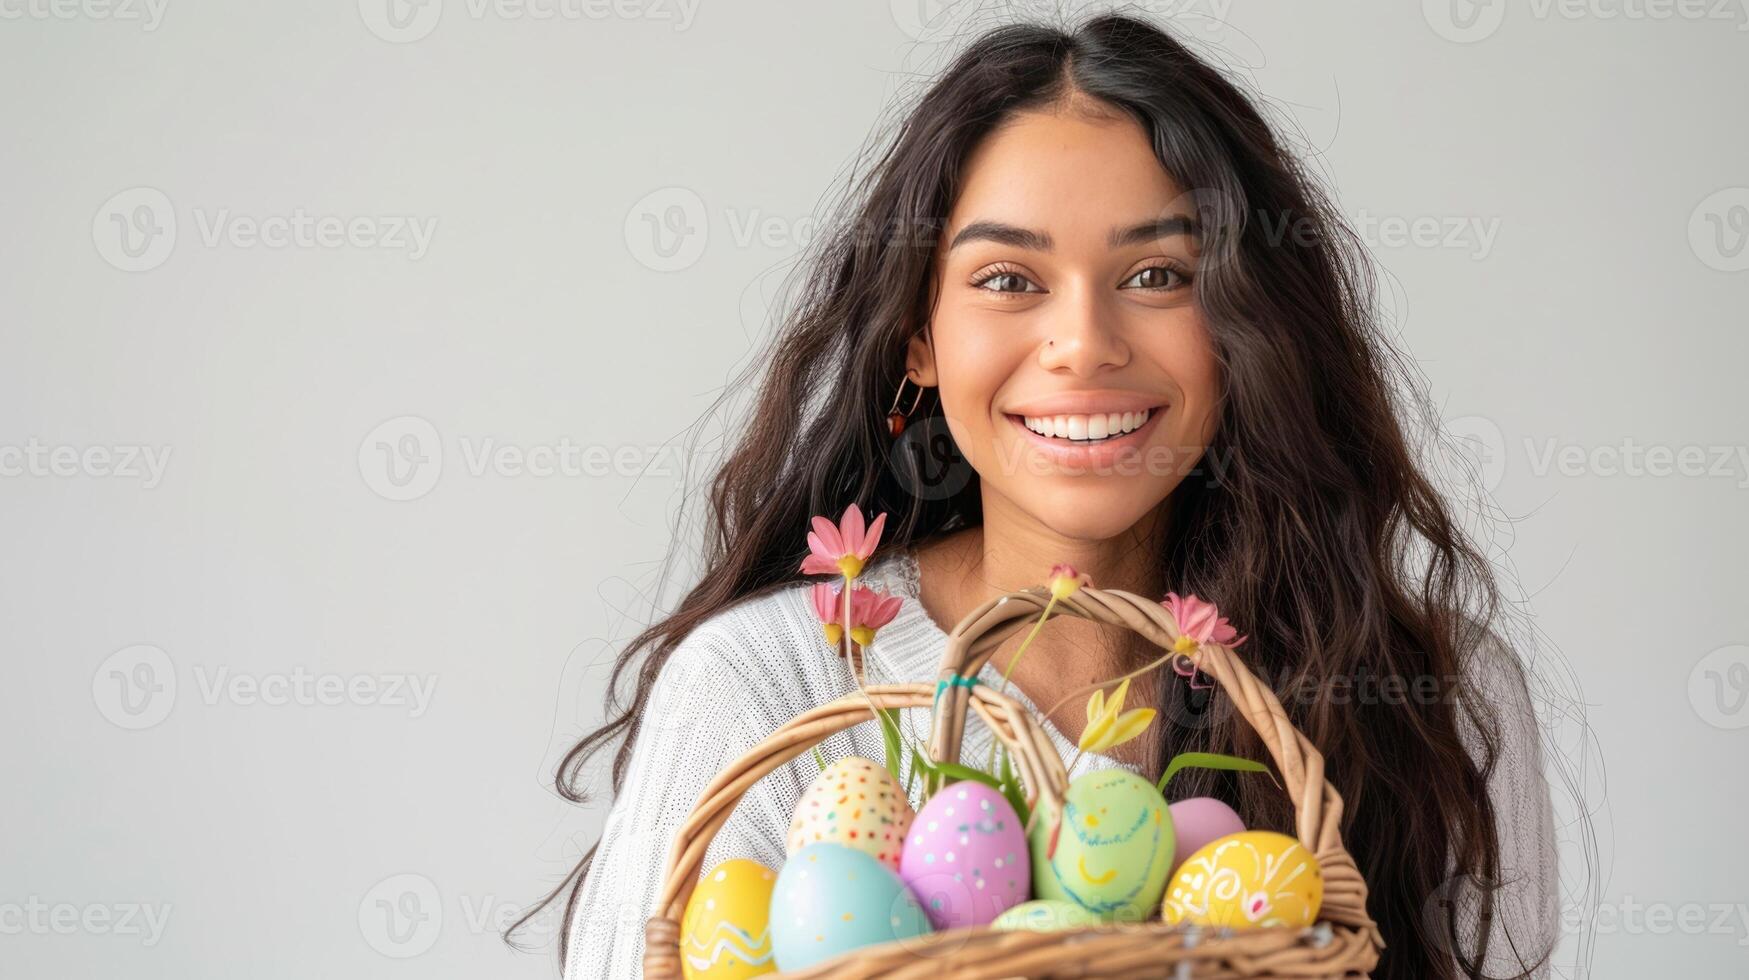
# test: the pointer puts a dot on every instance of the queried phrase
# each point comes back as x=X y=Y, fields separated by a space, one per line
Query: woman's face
x=1074 y=368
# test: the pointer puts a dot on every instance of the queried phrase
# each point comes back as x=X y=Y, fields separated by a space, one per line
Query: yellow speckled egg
x=856 y=803
x=1257 y=878
x=725 y=933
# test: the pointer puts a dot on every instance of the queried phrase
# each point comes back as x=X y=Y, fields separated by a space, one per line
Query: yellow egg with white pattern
x=725 y=933
x=1249 y=880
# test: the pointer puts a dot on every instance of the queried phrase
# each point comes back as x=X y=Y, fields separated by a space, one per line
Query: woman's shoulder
x=765 y=648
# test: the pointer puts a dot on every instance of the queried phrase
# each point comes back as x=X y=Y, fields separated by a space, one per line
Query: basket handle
x=1041 y=771
x=1317 y=805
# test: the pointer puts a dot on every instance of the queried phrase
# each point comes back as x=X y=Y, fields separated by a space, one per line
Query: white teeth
x=1086 y=428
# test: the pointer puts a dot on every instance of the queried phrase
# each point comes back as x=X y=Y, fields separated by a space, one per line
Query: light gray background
x=612 y=194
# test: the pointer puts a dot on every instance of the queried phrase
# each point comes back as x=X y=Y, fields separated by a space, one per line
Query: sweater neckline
x=910 y=648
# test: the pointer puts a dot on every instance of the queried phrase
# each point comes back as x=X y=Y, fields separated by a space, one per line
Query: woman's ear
x=920 y=361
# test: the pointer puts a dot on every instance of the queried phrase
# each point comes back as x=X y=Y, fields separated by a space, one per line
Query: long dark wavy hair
x=1319 y=535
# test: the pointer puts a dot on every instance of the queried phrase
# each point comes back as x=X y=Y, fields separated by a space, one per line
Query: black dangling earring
x=896 y=419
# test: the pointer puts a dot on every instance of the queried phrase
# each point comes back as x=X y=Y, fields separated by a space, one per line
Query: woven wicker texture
x=1344 y=943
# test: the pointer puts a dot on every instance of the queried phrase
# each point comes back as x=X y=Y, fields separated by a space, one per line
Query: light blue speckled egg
x=831 y=899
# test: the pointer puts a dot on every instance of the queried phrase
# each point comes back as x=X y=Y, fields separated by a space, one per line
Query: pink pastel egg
x=965 y=857
x=1198 y=821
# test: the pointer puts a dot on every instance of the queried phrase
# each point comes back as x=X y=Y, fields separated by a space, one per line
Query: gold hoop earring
x=896 y=419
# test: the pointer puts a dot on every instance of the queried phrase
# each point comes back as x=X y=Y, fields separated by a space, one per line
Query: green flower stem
x=1000 y=688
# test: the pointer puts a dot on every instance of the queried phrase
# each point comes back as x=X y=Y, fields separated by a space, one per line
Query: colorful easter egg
x=724 y=934
x=1257 y=878
x=1114 y=849
x=857 y=803
x=830 y=899
x=1044 y=915
x=965 y=856
x=1198 y=821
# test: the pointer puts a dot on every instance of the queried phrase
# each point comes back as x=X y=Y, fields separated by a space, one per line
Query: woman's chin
x=1087 y=514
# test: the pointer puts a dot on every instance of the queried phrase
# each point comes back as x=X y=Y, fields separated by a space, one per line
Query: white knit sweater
x=746 y=671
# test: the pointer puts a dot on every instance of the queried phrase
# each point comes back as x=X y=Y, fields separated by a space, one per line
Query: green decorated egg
x=1114 y=849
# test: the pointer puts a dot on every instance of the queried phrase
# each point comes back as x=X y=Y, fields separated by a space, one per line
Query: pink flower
x=1065 y=581
x=829 y=610
x=1199 y=622
x=844 y=548
x=869 y=611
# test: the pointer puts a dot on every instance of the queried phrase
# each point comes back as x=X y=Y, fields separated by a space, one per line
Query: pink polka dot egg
x=857 y=803
x=965 y=857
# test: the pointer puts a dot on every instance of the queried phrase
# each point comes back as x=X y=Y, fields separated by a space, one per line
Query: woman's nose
x=1082 y=337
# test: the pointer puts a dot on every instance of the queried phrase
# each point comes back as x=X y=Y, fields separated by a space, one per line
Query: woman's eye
x=1007 y=282
x=1156 y=277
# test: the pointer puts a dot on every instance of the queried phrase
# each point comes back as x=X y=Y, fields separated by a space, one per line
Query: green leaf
x=890 y=734
x=1206 y=760
x=1011 y=789
x=819 y=758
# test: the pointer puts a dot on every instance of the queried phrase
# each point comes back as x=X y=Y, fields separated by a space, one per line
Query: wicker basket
x=1345 y=942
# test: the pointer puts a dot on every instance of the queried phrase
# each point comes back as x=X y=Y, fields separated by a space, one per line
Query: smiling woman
x=1152 y=342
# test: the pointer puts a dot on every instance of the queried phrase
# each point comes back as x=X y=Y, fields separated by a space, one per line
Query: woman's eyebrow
x=1147 y=231
x=1002 y=234
x=1038 y=241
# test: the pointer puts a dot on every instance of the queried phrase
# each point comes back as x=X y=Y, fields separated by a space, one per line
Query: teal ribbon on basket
x=957 y=680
